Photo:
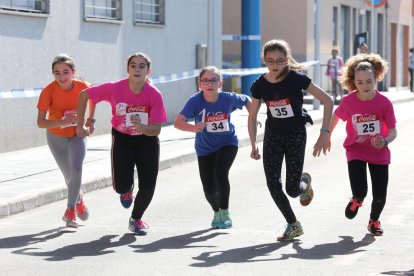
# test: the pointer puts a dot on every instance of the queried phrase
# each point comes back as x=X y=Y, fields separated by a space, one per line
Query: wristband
x=93 y=120
x=385 y=143
x=324 y=129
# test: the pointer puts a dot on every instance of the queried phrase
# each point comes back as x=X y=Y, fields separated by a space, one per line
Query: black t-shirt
x=284 y=100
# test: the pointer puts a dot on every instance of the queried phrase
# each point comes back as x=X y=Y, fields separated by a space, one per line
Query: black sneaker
x=374 y=227
x=351 y=209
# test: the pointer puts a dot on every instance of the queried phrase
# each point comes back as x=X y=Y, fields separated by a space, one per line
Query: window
x=149 y=12
x=103 y=9
x=30 y=6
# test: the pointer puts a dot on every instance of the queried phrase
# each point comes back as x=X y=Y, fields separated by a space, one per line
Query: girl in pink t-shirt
x=370 y=127
x=137 y=114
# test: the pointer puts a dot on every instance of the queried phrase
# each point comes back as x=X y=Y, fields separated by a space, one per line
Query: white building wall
x=28 y=45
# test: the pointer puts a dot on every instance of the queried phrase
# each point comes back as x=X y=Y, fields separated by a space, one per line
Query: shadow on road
x=25 y=240
x=345 y=246
x=238 y=255
x=178 y=242
x=411 y=272
x=92 y=248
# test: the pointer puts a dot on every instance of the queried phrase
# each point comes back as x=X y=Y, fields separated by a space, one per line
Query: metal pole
x=317 y=68
x=250 y=47
x=373 y=29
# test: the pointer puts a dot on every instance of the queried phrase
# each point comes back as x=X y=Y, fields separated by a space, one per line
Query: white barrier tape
x=241 y=37
x=226 y=73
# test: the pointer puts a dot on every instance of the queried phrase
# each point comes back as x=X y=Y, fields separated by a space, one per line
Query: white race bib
x=136 y=110
x=68 y=113
x=367 y=124
x=280 y=109
x=217 y=123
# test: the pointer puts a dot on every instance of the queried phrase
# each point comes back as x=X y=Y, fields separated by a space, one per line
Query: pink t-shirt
x=366 y=120
x=148 y=104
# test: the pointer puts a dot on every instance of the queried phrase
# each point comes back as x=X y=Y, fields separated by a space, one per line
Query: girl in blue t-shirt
x=285 y=134
x=216 y=142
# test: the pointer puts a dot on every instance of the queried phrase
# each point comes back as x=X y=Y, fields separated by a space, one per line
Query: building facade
x=386 y=26
x=99 y=35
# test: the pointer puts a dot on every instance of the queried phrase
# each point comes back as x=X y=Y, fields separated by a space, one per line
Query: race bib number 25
x=367 y=125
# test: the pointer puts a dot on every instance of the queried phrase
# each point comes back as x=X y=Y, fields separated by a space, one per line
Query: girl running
x=137 y=114
x=370 y=127
x=285 y=133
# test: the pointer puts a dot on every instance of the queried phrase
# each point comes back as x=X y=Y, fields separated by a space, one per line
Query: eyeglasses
x=207 y=81
x=280 y=61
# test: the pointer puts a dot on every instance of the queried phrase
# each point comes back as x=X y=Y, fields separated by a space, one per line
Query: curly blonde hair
x=363 y=62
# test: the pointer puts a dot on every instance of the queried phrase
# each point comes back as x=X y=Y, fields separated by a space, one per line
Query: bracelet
x=324 y=129
x=385 y=143
x=93 y=120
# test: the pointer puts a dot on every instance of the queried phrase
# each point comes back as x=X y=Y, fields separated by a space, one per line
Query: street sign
x=376 y=3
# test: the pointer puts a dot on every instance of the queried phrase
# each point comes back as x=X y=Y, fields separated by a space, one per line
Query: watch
x=93 y=120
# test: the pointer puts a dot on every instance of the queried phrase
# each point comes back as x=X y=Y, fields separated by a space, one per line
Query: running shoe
x=81 y=209
x=292 y=231
x=216 y=221
x=225 y=219
x=307 y=196
x=127 y=199
x=351 y=209
x=70 y=218
x=138 y=226
x=374 y=227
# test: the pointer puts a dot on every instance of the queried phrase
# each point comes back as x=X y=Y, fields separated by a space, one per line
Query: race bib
x=367 y=124
x=66 y=114
x=136 y=110
x=280 y=109
x=217 y=123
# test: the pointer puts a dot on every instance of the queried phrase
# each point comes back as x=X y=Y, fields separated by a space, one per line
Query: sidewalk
x=30 y=178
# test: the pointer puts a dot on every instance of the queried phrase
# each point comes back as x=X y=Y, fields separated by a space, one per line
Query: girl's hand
x=378 y=142
x=199 y=127
x=69 y=119
x=255 y=153
x=82 y=131
x=322 y=145
x=90 y=125
x=136 y=121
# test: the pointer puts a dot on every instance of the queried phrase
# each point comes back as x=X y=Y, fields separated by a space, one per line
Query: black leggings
x=144 y=153
x=357 y=171
x=214 y=173
x=278 y=144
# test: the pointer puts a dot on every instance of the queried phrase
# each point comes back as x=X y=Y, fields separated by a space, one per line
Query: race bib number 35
x=280 y=109
x=367 y=124
x=217 y=123
x=140 y=111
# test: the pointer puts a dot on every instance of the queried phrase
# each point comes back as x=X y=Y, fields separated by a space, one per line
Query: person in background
x=363 y=48
x=285 y=133
x=57 y=113
x=370 y=128
x=216 y=141
x=333 y=70
x=137 y=114
x=411 y=68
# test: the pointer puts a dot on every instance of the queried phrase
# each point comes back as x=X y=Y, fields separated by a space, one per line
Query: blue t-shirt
x=219 y=130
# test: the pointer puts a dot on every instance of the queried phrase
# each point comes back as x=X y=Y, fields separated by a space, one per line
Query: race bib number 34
x=134 y=110
x=217 y=123
x=367 y=124
x=280 y=108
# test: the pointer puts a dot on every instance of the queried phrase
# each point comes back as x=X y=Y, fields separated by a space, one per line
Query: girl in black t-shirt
x=285 y=133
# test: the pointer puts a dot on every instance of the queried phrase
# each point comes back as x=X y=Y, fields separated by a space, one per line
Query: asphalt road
x=180 y=241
